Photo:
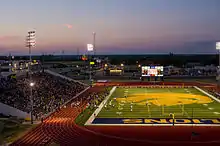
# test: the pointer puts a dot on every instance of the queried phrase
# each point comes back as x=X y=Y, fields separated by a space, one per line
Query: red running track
x=60 y=128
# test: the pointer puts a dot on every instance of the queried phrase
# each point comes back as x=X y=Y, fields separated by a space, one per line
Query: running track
x=60 y=128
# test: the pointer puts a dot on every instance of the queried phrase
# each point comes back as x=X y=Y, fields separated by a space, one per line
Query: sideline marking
x=92 y=117
x=214 y=98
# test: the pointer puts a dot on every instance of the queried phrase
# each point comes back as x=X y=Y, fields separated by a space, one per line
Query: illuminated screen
x=115 y=71
x=152 y=70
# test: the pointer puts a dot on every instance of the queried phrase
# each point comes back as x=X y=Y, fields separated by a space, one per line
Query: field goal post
x=180 y=111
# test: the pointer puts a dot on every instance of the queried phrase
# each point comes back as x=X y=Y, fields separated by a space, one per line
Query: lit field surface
x=187 y=103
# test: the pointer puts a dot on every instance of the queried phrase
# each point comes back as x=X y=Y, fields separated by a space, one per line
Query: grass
x=84 y=116
x=185 y=104
x=12 y=131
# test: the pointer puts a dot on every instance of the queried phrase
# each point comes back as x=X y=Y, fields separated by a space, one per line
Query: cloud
x=203 y=46
x=9 y=38
x=69 y=26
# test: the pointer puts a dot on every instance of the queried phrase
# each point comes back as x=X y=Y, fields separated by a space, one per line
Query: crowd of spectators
x=190 y=71
x=48 y=92
x=214 y=91
x=6 y=84
x=93 y=100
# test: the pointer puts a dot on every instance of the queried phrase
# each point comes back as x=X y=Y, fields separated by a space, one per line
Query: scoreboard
x=152 y=71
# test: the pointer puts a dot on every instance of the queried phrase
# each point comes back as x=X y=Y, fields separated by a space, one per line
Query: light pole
x=94 y=34
x=218 y=68
x=90 y=49
x=30 y=43
x=32 y=101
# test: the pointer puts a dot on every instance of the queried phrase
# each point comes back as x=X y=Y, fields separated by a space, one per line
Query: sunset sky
x=122 y=26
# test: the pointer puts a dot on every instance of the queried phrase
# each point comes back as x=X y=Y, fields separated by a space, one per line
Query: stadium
x=137 y=112
x=110 y=73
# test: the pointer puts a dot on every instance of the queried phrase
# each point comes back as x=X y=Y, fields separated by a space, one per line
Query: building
x=8 y=68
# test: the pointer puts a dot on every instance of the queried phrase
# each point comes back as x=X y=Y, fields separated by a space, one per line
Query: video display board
x=152 y=71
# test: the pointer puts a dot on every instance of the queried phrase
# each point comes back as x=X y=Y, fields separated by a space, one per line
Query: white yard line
x=168 y=90
x=145 y=91
x=214 y=98
x=96 y=112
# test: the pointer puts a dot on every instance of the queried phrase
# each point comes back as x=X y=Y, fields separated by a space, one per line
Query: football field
x=158 y=103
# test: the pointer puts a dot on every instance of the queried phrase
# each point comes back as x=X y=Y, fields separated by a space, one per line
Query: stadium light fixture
x=32 y=84
x=218 y=48
x=122 y=64
x=30 y=40
x=217 y=45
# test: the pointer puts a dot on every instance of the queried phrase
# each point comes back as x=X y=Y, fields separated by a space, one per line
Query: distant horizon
x=122 y=26
x=112 y=54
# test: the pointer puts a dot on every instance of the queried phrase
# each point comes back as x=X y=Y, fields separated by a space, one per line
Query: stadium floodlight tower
x=90 y=48
x=218 y=68
x=94 y=34
x=30 y=43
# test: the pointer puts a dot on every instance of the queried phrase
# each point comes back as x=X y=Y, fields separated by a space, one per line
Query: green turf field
x=159 y=103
